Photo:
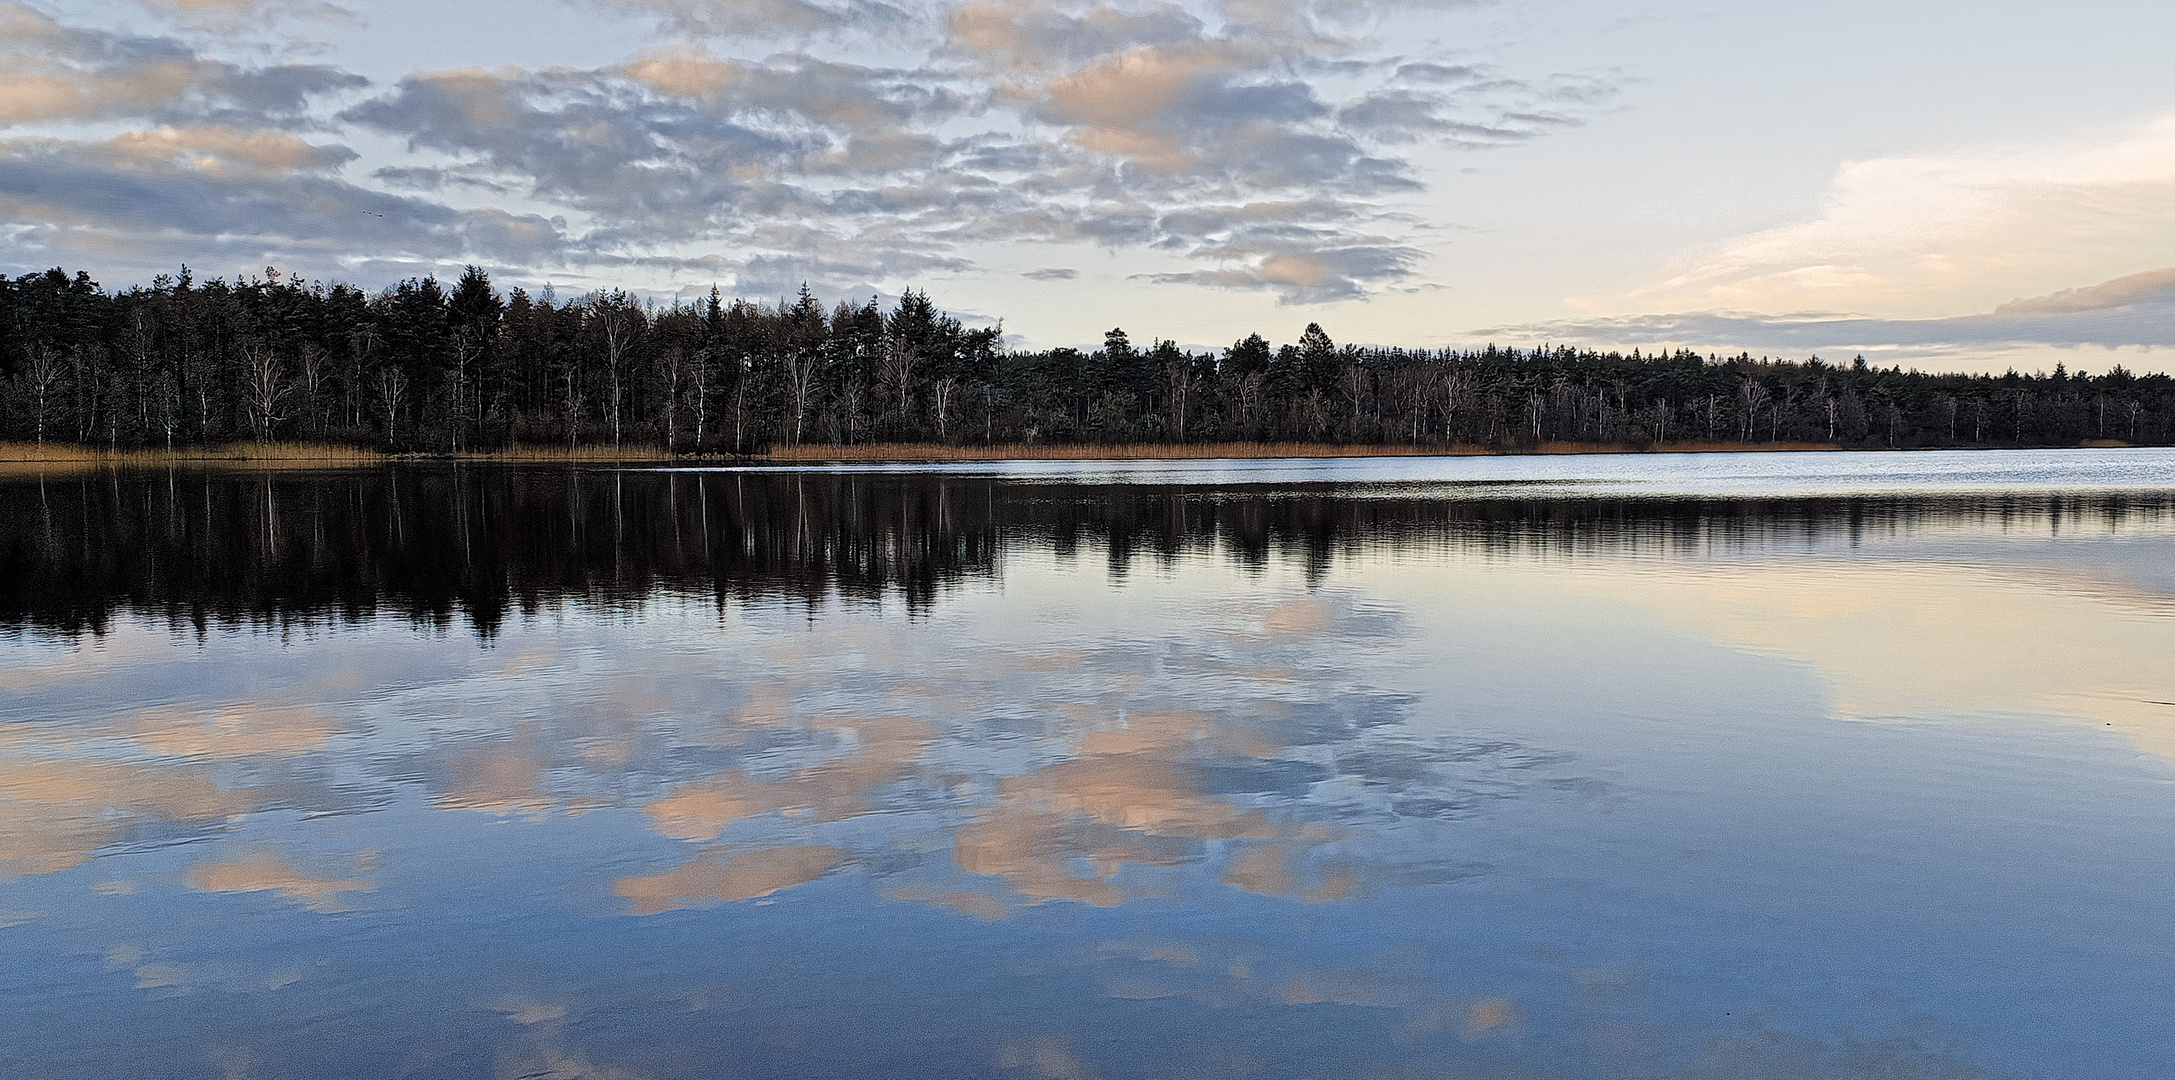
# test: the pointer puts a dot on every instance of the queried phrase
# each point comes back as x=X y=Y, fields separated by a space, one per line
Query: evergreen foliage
x=421 y=367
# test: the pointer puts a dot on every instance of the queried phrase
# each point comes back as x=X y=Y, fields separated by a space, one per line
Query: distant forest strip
x=423 y=367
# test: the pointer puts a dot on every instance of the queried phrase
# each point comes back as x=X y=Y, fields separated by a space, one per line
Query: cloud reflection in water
x=1270 y=780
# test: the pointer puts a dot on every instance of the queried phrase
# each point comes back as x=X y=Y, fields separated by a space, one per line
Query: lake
x=1721 y=766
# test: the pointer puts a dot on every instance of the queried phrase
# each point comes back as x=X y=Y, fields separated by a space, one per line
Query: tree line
x=426 y=367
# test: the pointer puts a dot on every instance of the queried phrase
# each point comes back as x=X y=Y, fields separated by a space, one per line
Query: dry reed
x=20 y=457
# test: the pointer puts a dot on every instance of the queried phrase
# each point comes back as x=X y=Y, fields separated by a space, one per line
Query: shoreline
x=907 y=453
x=17 y=457
x=21 y=458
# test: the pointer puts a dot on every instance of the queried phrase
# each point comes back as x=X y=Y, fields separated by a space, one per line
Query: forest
x=423 y=367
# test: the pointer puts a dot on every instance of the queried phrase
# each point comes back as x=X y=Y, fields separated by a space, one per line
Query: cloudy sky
x=1940 y=184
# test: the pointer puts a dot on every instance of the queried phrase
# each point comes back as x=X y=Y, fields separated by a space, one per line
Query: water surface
x=1730 y=766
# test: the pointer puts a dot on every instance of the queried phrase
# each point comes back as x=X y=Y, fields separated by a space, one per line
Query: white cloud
x=52 y=72
x=1934 y=236
x=2121 y=321
x=236 y=14
x=757 y=18
x=1262 y=146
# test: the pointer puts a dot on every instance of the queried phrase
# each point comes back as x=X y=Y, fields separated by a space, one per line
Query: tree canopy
x=424 y=367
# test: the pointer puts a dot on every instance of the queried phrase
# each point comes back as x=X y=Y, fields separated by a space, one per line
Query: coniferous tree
x=420 y=367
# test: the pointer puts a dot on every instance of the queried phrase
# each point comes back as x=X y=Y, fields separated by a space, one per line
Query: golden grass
x=21 y=457
x=18 y=458
x=248 y=451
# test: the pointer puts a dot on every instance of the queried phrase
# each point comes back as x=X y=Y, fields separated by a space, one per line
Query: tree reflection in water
x=435 y=543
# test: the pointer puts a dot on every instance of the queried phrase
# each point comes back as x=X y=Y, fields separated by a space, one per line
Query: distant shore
x=18 y=458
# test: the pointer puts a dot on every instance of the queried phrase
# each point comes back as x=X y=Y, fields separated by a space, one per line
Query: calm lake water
x=1794 y=766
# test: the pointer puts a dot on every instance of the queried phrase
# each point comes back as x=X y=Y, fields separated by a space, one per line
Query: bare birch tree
x=672 y=377
x=1179 y=382
x=941 y=398
x=896 y=368
x=799 y=364
x=392 y=391
x=264 y=388
x=43 y=373
x=1752 y=396
x=315 y=370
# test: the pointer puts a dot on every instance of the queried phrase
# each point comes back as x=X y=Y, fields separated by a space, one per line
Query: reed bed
x=20 y=457
x=17 y=458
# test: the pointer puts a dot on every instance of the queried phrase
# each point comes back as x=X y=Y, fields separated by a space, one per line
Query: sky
x=1940 y=185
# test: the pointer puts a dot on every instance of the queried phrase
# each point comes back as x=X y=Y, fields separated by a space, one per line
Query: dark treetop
x=424 y=367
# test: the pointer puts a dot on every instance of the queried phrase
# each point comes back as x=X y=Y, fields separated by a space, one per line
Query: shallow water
x=1783 y=765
